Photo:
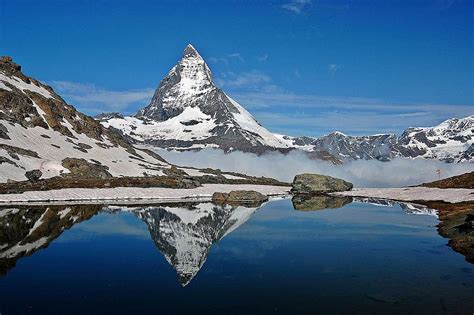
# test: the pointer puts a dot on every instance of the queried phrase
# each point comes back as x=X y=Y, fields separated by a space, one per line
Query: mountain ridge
x=189 y=112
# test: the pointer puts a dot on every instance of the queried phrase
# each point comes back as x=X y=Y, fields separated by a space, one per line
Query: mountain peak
x=186 y=82
x=8 y=66
x=190 y=51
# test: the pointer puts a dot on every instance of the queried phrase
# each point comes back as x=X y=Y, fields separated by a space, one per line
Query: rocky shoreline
x=129 y=194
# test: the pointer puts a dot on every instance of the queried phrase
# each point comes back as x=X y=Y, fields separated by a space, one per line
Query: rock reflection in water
x=319 y=202
x=26 y=229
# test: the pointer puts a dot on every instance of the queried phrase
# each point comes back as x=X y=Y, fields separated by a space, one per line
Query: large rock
x=33 y=175
x=239 y=197
x=80 y=168
x=318 y=184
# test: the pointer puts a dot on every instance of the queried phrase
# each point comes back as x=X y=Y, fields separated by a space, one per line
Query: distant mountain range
x=189 y=112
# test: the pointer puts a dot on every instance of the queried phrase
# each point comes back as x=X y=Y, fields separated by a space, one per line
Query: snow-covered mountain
x=345 y=147
x=450 y=141
x=39 y=131
x=188 y=111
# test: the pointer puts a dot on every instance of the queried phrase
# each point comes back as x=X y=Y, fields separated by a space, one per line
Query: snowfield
x=203 y=193
x=52 y=147
x=179 y=127
x=413 y=194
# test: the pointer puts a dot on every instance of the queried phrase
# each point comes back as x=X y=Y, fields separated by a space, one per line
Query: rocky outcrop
x=80 y=168
x=465 y=180
x=318 y=184
x=33 y=175
x=13 y=187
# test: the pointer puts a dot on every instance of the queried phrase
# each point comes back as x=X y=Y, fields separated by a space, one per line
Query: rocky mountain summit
x=189 y=112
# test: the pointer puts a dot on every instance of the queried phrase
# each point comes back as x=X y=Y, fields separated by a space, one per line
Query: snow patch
x=22 y=85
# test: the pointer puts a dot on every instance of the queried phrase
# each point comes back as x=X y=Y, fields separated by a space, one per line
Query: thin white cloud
x=441 y=5
x=316 y=115
x=333 y=68
x=263 y=58
x=237 y=56
x=95 y=100
x=271 y=100
x=297 y=6
x=353 y=123
x=227 y=58
x=251 y=79
x=297 y=73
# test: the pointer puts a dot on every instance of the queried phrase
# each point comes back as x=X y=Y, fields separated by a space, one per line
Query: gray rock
x=80 y=168
x=317 y=184
x=33 y=175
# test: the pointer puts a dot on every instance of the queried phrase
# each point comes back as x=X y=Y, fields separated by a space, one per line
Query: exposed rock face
x=239 y=196
x=319 y=202
x=318 y=184
x=344 y=148
x=33 y=175
x=450 y=141
x=80 y=168
x=106 y=116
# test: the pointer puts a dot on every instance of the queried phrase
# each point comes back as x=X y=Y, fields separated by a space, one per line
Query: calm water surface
x=202 y=258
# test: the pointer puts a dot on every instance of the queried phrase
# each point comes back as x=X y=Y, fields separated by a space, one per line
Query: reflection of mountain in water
x=409 y=208
x=24 y=230
x=185 y=235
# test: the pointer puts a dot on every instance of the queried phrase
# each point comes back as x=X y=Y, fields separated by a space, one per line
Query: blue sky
x=302 y=67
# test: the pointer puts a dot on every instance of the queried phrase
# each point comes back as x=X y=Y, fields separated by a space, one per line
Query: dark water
x=360 y=258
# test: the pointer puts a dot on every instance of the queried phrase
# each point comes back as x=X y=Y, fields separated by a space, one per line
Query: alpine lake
x=313 y=256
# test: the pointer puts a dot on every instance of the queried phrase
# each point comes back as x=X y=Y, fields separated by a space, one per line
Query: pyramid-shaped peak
x=190 y=51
